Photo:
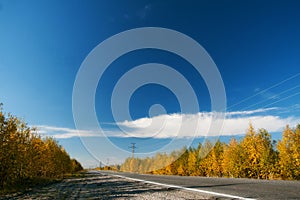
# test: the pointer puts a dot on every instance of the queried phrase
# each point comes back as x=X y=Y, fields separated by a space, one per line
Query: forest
x=256 y=155
x=26 y=157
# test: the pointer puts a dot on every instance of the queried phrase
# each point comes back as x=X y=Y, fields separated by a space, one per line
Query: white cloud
x=184 y=125
x=62 y=133
x=250 y=112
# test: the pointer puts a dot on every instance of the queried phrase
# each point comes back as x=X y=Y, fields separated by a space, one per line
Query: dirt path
x=97 y=186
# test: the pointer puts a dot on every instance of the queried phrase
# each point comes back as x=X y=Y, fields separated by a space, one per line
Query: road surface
x=94 y=185
x=119 y=186
x=224 y=187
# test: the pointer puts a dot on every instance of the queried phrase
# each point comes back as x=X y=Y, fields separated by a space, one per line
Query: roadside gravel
x=99 y=186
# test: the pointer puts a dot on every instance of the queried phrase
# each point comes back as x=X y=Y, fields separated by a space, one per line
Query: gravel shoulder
x=102 y=186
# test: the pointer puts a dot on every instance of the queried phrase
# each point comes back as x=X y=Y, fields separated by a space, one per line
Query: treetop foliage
x=254 y=156
x=24 y=155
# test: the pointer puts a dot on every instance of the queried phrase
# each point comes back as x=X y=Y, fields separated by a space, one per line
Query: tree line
x=26 y=156
x=256 y=155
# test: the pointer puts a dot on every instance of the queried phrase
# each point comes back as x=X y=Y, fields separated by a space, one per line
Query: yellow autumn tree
x=250 y=153
x=296 y=152
x=212 y=163
x=253 y=157
x=258 y=154
x=232 y=159
x=193 y=162
x=267 y=155
x=205 y=159
x=289 y=153
x=24 y=156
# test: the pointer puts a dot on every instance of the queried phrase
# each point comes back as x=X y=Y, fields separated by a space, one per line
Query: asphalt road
x=93 y=185
x=232 y=187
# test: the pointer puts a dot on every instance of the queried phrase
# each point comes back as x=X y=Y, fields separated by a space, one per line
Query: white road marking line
x=185 y=188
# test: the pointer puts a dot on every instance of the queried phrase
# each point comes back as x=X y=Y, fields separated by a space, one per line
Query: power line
x=262 y=91
x=132 y=147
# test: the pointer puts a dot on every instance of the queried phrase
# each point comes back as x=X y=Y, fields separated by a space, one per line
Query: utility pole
x=132 y=147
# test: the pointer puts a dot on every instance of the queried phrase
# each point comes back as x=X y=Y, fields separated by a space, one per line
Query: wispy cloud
x=250 y=112
x=182 y=125
x=62 y=133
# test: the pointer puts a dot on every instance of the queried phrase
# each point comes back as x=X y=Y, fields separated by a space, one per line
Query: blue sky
x=255 y=45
